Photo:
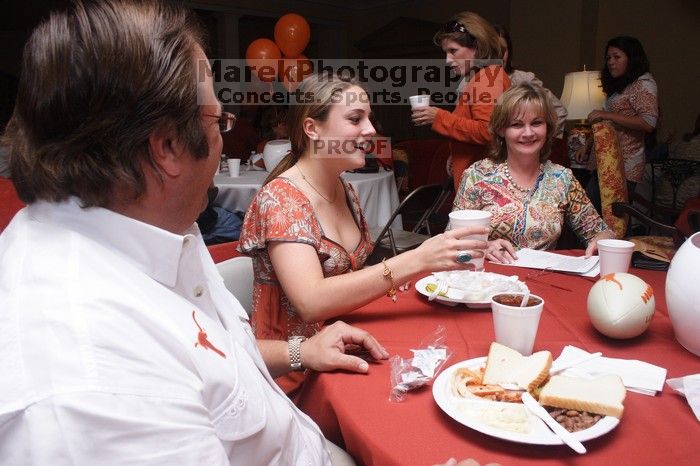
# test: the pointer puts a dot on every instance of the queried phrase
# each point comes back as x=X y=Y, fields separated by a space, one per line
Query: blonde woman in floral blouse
x=529 y=196
x=305 y=230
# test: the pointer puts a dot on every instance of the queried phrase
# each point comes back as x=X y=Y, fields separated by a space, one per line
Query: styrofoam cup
x=515 y=326
x=615 y=255
x=465 y=218
x=234 y=167
x=418 y=101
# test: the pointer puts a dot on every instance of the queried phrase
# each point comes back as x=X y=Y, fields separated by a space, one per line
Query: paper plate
x=539 y=433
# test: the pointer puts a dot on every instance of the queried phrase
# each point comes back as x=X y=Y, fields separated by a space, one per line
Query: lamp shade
x=582 y=93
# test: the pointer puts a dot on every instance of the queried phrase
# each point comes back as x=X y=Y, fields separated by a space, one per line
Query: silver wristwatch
x=295 y=352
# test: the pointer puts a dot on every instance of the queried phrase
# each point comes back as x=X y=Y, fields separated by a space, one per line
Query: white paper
x=427 y=360
x=637 y=376
x=534 y=259
x=688 y=386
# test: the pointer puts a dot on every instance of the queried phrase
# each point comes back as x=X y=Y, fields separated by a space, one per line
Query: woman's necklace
x=335 y=190
x=524 y=191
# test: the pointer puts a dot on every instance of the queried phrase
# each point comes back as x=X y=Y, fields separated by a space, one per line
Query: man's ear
x=311 y=128
x=166 y=151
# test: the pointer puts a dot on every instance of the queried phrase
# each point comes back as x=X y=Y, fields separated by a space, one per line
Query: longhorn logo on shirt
x=203 y=340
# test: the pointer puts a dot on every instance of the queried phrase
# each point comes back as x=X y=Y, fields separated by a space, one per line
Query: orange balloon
x=292 y=34
x=294 y=70
x=263 y=55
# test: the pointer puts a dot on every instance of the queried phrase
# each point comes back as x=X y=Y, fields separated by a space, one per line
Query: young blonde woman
x=529 y=196
x=305 y=230
x=470 y=43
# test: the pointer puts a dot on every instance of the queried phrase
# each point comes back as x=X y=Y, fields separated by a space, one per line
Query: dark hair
x=509 y=104
x=272 y=117
x=96 y=81
x=471 y=30
x=696 y=130
x=324 y=90
x=637 y=64
x=508 y=62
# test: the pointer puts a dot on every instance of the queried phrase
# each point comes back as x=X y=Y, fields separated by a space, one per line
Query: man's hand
x=326 y=351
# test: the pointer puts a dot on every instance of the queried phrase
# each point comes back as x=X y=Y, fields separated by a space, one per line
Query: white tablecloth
x=377 y=192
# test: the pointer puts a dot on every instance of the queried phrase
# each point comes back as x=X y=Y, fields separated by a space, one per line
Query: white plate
x=539 y=433
x=454 y=300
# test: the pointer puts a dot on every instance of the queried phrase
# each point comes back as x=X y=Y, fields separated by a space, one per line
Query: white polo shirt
x=119 y=344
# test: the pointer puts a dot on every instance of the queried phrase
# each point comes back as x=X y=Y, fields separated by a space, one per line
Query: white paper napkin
x=689 y=386
x=637 y=376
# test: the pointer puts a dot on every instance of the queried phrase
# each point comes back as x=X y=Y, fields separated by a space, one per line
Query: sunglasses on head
x=456 y=26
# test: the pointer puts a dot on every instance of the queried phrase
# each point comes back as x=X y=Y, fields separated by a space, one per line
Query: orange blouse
x=282 y=212
x=468 y=124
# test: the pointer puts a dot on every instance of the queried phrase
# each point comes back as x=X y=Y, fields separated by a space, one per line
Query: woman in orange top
x=306 y=233
x=473 y=49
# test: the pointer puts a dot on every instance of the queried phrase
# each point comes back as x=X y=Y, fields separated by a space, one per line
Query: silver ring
x=463 y=257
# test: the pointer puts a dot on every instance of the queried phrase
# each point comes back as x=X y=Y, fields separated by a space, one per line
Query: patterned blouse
x=282 y=212
x=637 y=99
x=531 y=220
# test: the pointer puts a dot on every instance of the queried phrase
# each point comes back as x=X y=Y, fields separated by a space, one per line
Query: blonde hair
x=320 y=92
x=513 y=102
x=480 y=35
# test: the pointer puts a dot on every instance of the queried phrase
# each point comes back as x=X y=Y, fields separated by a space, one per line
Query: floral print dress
x=533 y=220
x=281 y=212
x=639 y=98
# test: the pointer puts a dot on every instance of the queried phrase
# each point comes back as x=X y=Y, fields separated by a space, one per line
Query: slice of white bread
x=505 y=365
x=602 y=395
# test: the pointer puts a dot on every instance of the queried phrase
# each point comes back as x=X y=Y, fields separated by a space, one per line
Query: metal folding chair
x=423 y=201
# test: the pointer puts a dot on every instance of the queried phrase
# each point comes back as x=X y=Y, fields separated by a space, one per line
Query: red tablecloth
x=354 y=409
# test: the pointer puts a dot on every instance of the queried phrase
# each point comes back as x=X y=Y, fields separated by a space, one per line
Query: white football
x=621 y=305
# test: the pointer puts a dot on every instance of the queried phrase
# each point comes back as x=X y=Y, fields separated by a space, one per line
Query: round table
x=354 y=409
x=377 y=192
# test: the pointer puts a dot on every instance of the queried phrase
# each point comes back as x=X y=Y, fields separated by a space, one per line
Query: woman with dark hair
x=529 y=197
x=631 y=105
x=469 y=43
x=306 y=232
x=519 y=77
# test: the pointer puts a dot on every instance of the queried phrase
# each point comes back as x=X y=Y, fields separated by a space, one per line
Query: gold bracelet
x=391 y=292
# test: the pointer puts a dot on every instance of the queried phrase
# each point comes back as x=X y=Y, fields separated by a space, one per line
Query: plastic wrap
x=427 y=360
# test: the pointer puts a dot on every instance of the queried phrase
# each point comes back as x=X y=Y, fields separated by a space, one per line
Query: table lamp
x=582 y=93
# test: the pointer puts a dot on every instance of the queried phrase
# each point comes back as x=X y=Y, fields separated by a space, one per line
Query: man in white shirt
x=119 y=343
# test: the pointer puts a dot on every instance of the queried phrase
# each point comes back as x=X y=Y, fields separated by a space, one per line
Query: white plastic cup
x=515 y=326
x=419 y=101
x=466 y=218
x=234 y=167
x=615 y=255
